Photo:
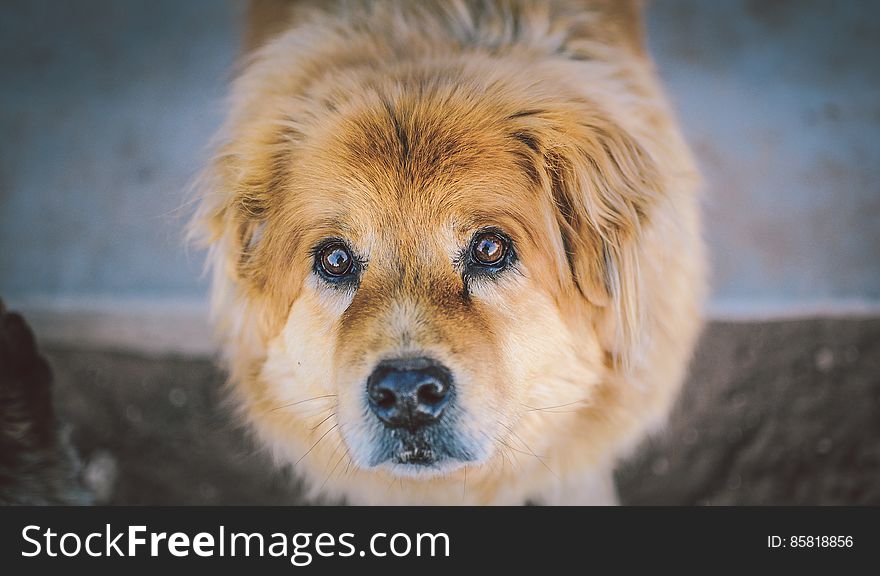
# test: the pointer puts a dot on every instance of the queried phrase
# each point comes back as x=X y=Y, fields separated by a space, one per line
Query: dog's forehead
x=434 y=217
x=389 y=173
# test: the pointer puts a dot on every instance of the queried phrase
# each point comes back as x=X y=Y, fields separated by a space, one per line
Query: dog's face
x=428 y=302
x=417 y=274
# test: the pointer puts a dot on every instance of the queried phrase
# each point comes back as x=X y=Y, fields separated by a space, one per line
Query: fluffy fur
x=37 y=463
x=403 y=127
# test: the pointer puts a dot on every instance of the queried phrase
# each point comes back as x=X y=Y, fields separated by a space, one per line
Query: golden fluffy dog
x=455 y=247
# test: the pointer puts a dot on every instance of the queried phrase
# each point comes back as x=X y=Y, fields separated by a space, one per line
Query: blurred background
x=107 y=109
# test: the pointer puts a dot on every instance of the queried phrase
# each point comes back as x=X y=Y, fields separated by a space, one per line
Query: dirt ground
x=773 y=413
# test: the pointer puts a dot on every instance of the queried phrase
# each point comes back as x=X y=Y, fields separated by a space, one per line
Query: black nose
x=409 y=393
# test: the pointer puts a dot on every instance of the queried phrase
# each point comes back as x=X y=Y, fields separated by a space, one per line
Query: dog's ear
x=603 y=184
x=628 y=18
x=237 y=194
x=608 y=22
x=233 y=211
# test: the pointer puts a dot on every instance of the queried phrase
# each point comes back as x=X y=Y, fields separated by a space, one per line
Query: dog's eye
x=489 y=249
x=335 y=259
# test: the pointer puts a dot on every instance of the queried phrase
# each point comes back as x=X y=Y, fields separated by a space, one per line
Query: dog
x=38 y=464
x=455 y=247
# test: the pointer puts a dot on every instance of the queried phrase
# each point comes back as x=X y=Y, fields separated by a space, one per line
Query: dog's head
x=408 y=264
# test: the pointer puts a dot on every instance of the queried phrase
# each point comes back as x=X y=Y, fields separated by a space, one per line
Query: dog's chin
x=422 y=455
x=420 y=467
x=421 y=461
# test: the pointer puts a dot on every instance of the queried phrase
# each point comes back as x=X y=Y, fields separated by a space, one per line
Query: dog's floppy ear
x=233 y=210
x=237 y=196
x=603 y=184
x=619 y=22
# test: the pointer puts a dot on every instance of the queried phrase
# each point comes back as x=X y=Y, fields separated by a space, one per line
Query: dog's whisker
x=348 y=469
x=514 y=449
x=309 y=451
x=499 y=462
x=318 y=425
x=464 y=485
x=509 y=458
x=335 y=466
x=333 y=453
x=503 y=444
x=548 y=408
x=514 y=454
x=516 y=436
x=298 y=402
x=529 y=450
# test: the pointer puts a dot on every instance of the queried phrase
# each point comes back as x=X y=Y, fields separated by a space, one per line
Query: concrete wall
x=106 y=108
x=781 y=102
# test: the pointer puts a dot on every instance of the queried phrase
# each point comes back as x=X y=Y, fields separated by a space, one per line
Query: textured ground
x=773 y=413
x=780 y=413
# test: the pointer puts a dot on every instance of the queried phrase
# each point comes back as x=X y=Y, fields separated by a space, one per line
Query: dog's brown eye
x=489 y=249
x=335 y=259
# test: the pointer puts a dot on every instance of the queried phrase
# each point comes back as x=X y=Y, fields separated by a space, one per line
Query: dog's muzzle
x=414 y=400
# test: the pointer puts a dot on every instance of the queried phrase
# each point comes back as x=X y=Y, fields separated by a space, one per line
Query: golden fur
x=403 y=127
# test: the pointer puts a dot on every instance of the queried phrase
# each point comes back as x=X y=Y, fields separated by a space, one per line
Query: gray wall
x=106 y=108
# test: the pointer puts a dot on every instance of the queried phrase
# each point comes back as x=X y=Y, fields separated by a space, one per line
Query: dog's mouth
x=435 y=450
x=416 y=457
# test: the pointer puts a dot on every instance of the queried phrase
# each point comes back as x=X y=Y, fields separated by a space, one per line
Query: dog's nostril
x=383 y=397
x=409 y=392
x=432 y=392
